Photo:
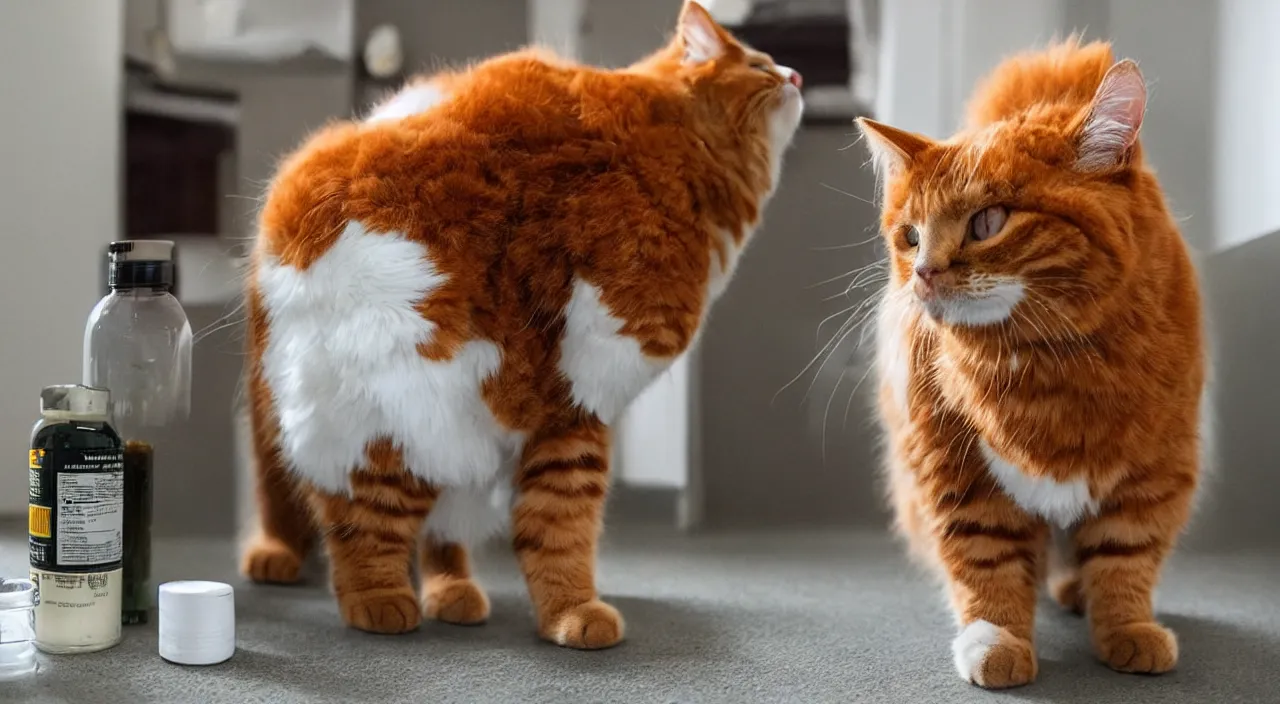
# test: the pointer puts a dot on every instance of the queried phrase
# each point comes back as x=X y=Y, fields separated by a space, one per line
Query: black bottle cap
x=140 y=264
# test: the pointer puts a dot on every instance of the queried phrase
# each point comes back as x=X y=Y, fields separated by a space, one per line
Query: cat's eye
x=988 y=222
x=913 y=237
x=762 y=67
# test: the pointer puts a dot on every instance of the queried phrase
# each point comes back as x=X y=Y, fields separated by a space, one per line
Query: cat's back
x=378 y=241
x=401 y=258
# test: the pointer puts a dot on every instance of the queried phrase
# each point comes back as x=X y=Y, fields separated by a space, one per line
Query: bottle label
x=76 y=510
x=77 y=611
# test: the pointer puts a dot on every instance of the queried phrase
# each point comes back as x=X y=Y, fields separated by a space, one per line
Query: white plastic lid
x=197 y=622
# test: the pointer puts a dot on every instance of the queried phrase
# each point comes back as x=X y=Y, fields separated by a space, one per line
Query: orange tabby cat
x=452 y=299
x=1041 y=359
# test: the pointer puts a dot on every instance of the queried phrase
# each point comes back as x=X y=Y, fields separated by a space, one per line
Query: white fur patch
x=994 y=305
x=411 y=100
x=343 y=366
x=893 y=356
x=472 y=514
x=783 y=124
x=606 y=370
x=1062 y=503
x=970 y=648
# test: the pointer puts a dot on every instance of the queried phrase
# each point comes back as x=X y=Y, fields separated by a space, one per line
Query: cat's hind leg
x=449 y=593
x=371 y=533
x=285 y=533
x=1062 y=577
x=561 y=486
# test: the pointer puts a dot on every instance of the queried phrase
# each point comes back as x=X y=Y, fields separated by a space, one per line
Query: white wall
x=933 y=52
x=653 y=437
x=1210 y=101
x=1247 y=129
x=61 y=81
x=1177 y=52
x=557 y=24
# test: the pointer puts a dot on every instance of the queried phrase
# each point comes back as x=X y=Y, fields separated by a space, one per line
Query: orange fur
x=535 y=172
x=1088 y=385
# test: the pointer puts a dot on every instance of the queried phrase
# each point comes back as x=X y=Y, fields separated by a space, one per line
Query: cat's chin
x=991 y=305
x=969 y=312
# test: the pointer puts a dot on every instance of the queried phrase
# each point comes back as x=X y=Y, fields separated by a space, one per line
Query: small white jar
x=17 y=628
x=197 y=622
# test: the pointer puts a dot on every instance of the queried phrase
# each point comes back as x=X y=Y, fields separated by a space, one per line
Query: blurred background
x=165 y=118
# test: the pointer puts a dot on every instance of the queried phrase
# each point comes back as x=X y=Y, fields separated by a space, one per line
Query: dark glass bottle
x=137 y=344
x=75 y=521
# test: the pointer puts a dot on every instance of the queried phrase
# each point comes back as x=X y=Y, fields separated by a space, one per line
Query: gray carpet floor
x=769 y=617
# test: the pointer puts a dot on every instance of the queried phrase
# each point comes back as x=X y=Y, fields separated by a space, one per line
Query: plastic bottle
x=137 y=344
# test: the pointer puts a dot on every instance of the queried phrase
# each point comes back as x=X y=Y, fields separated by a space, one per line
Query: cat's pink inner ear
x=699 y=34
x=1115 y=118
x=892 y=149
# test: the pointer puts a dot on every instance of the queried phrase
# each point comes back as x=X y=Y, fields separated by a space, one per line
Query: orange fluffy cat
x=1041 y=360
x=451 y=300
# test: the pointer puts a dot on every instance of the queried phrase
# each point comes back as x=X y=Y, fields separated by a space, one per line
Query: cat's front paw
x=992 y=657
x=381 y=610
x=458 y=601
x=269 y=561
x=588 y=626
x=1138 y=647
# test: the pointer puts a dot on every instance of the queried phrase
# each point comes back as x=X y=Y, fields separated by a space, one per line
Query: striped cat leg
x=562 y=483
x=285 y=531
x=371 y=535
x=449 y=593
x=1063 y=578
x=1121 y=551
x=990 y=549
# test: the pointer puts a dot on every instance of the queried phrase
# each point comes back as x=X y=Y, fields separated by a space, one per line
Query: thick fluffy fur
x=1041 y=360
x=451 y=300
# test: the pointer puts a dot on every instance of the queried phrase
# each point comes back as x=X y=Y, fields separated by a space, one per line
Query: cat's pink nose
x=932 y=281
x=796 y=79
x=928 y=271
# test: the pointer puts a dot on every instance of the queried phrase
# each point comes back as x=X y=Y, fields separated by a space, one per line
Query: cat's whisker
x=1042 y=334
x=851 y=288
x=827 y=411
x=845 y=193
x=847 y=274
x=227 y=320
x=812 y=362
x=854 y=392
x=863 y=312
x=818 y=334
x=848 y=329
x=1073 y=334
x=869 y=282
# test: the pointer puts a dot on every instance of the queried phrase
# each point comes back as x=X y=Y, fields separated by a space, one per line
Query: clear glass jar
x=137 y=344
x=17 y=628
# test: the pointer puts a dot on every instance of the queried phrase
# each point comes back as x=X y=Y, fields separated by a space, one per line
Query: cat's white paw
x=992 y=657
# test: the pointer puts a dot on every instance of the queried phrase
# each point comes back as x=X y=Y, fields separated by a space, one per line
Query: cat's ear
x=892 y=149
x=1111 y=127
x=700 y=37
